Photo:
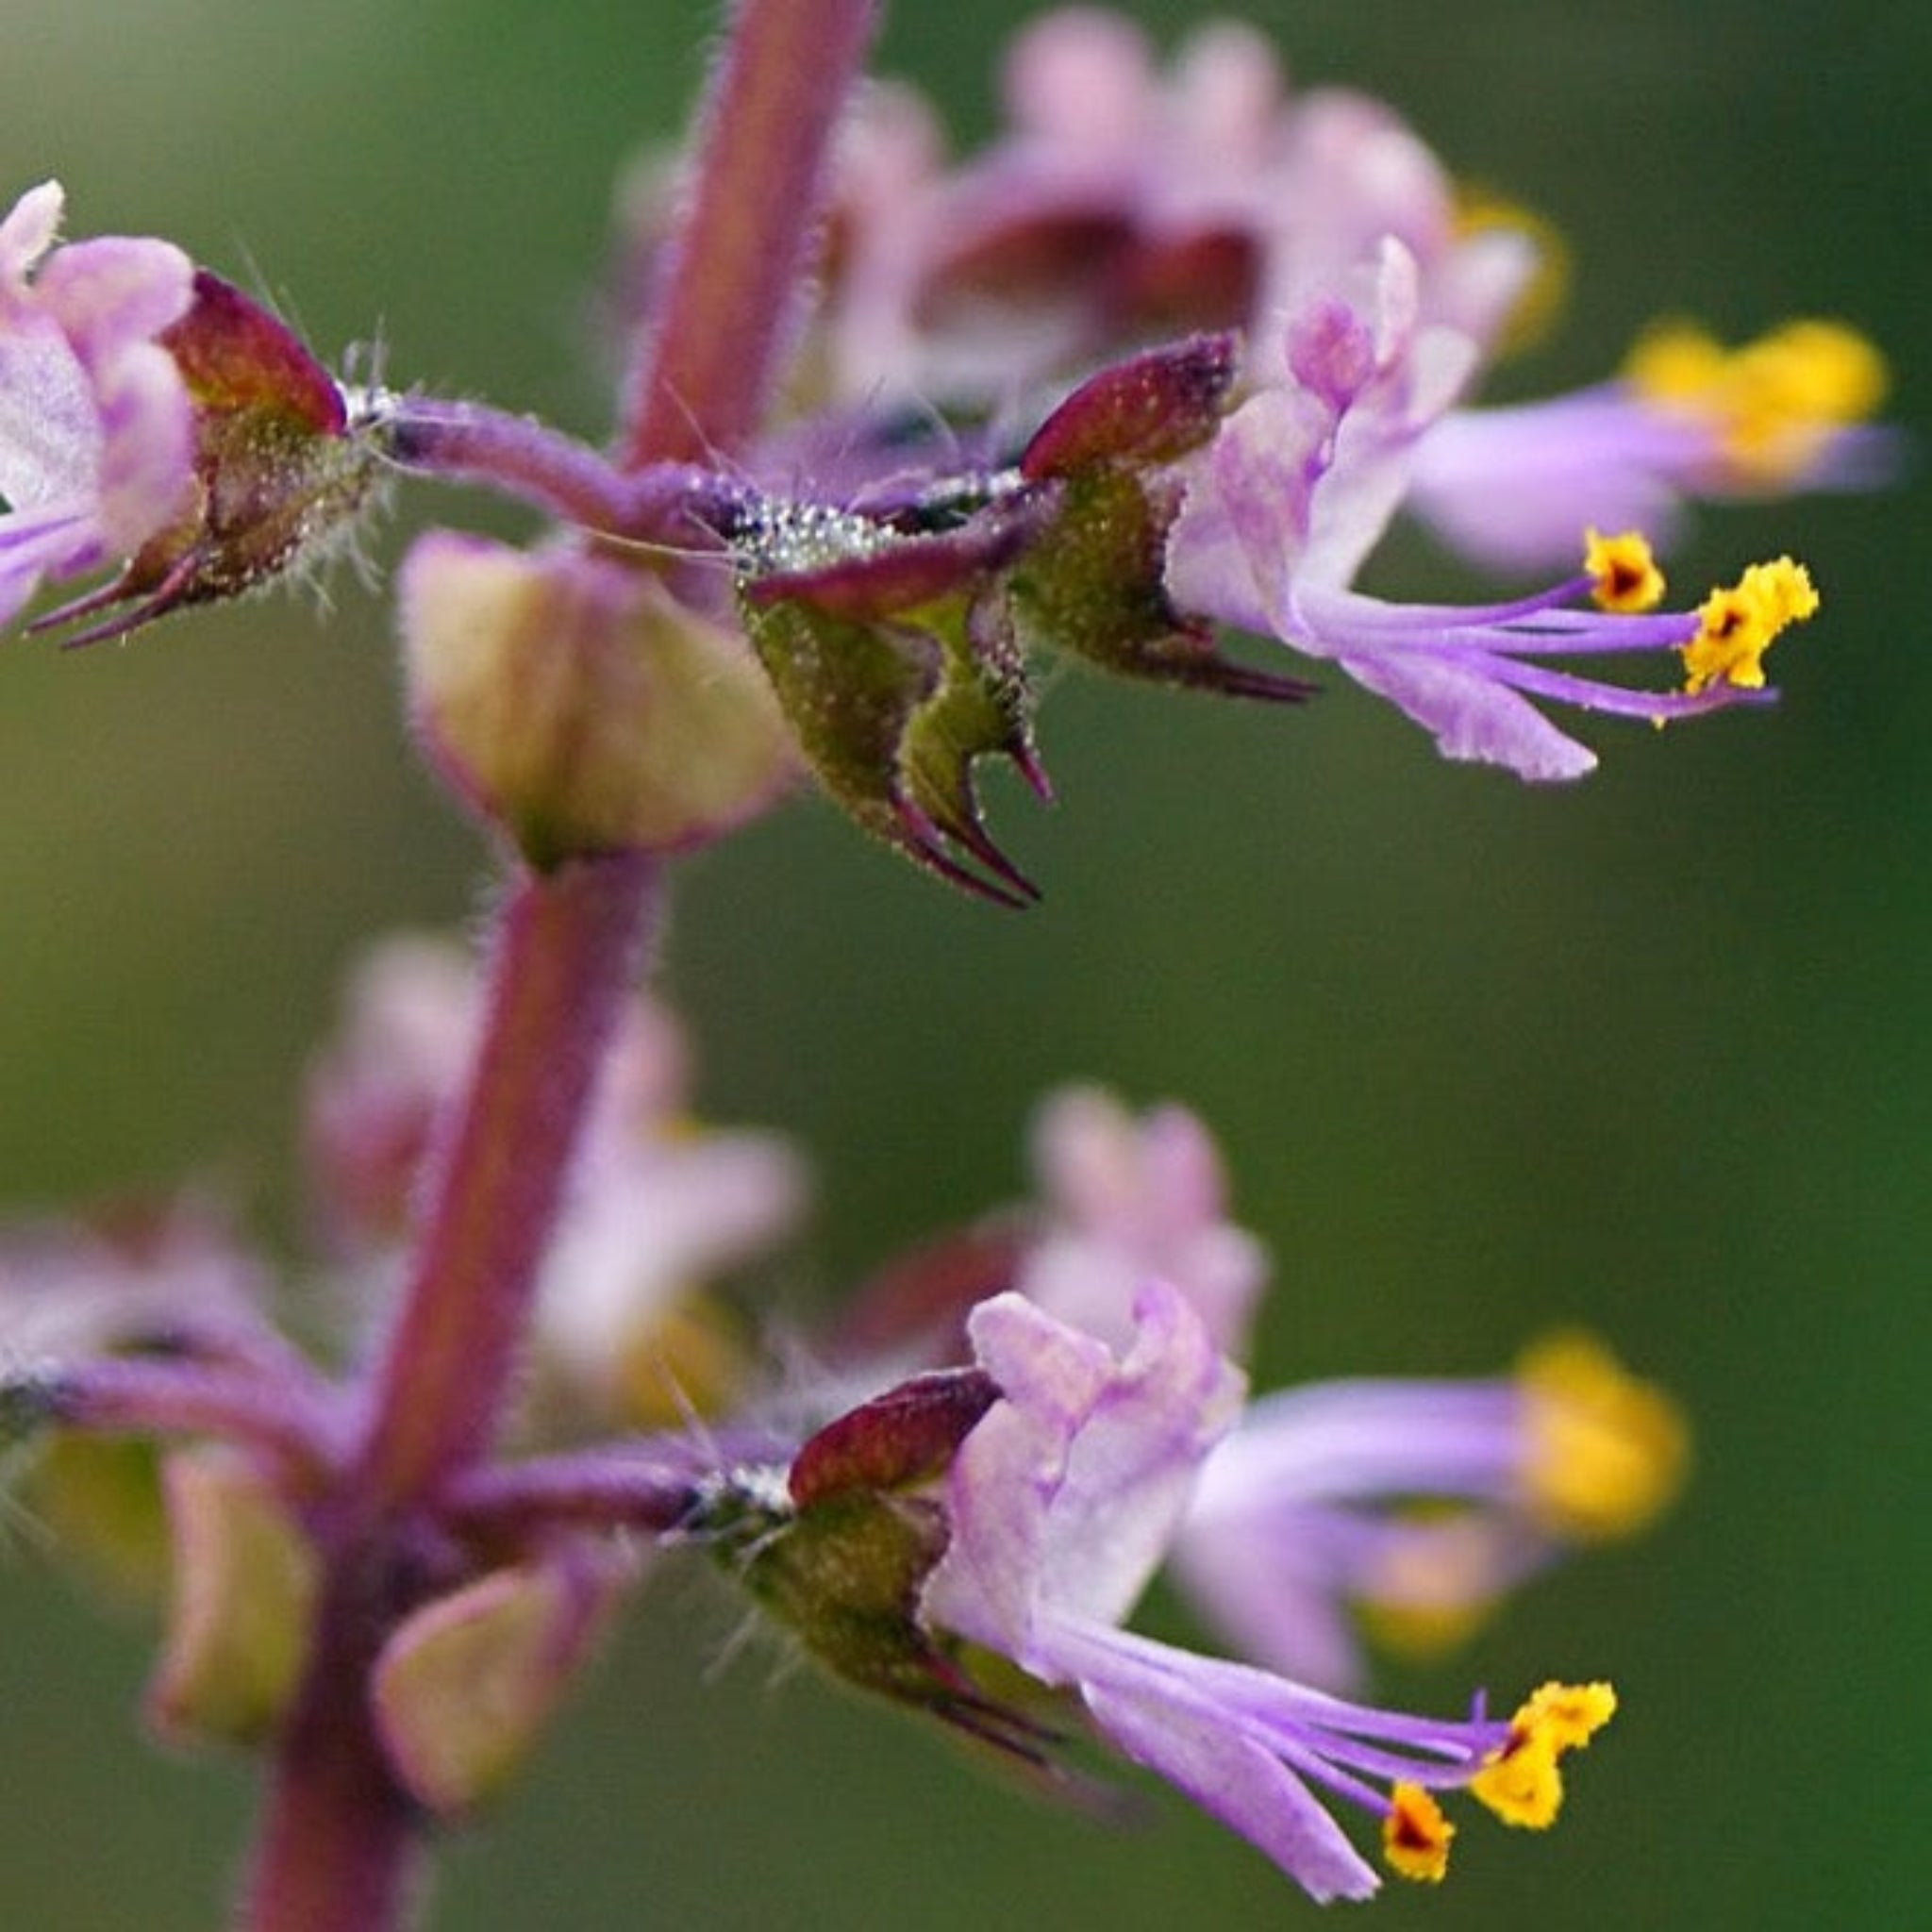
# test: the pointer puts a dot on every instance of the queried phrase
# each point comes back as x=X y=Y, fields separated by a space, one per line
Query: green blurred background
x=1649 y=1053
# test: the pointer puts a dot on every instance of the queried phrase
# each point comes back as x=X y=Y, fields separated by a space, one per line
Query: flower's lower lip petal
x=1471 y=717
x=43 y=543
x=1240 y=1783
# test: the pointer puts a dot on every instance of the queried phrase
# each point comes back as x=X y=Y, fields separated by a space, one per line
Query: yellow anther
x=1625 y=573
x=1772 y=403
x=1572 y=1714
x=1415 y=1835
x=1738 y=624
x=1605 y=1452
x=1520 y=1780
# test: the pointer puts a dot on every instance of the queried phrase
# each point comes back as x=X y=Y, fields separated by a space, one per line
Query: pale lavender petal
x=113 y=291
x=1369 y=1436
x=1081 y=78
x=1472 y=716
x=42 y=543
x=1374 y=450
x=1131 y=1467
x=1266 y=1587
x=1004 y=1481
x=1131 y=1199
x=653 y=1220
x=1512 y=487
x=50 y=428
x=1239 y=1782
x=96 y=430
x=1245 y=523
x=1245 y=1745
x=1068 y=1493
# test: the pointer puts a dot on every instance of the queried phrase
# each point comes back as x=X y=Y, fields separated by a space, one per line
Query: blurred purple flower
x=1510 y=487
x=1417 y=1503
x=171 y=1279
x=1123 y=202
x=1131 y=1199
x=660 y=1208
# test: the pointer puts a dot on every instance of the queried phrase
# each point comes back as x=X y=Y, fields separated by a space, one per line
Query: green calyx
x=896 y=641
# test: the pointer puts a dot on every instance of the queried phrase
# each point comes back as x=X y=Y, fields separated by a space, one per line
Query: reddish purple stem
x=729 y=299
x=567 y=947
x=340 y=1845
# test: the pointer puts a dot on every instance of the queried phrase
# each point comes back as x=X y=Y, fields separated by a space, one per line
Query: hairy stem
x=731 y=279
x=592 y=1488
x=566 y=950
x=338 y=1841
x=470 y=442
x=339 y=1847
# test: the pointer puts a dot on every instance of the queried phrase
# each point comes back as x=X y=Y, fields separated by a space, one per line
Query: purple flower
x=155 y=420
x=1510 y=487
x=1417 y=1503
x=1284 y=505
x=1059 y=1504
x=96 y=430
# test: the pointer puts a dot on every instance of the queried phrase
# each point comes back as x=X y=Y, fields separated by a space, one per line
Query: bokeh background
x=1651 y=1053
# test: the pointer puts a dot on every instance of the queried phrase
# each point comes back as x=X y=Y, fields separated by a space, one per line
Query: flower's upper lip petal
x=113 y=291
x=1304 y=478
x=29 y=228
x=1067 y=1495
x=96 y=421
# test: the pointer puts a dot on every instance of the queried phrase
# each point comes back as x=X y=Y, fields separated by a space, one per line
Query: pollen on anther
x=1624 y=575
x=1415 y=1835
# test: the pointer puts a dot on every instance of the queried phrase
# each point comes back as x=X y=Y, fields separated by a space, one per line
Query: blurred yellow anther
x=1738 y=624
x=1435 y=1585
x=1540 y=302
x=1415 y=1835
x=1605 y=1451
x=1625 y=573
x=1520 y=1780
x=691 y=1360
x=1771 y=402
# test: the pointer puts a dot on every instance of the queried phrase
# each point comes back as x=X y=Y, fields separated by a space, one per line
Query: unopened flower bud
x=464 y=1686
x=245 y=1584
x=577 y=703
